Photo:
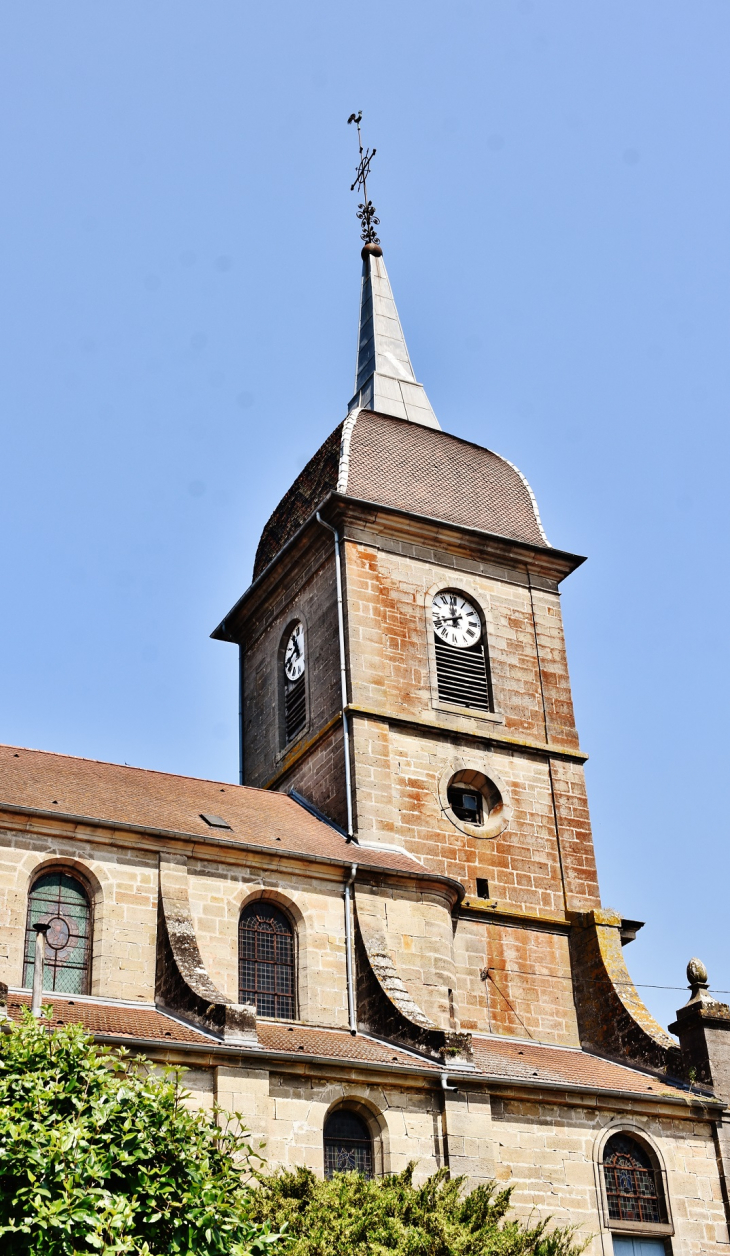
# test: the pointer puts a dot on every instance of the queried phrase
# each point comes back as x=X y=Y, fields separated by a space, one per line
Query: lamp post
x=40 y=958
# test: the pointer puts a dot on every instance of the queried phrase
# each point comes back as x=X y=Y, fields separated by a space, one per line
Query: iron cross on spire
x=366 y=210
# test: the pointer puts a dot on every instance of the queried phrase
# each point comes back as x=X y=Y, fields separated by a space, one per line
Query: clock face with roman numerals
x=455 y=620
x=294 y=654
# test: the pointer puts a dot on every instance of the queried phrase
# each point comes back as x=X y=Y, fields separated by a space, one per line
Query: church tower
x=403 y=671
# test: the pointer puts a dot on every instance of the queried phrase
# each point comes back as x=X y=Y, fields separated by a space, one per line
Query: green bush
x=349 y=1216
x=100 y=1155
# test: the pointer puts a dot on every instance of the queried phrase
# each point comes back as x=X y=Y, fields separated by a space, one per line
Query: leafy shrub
x=100 y=1155
x=349 y=1216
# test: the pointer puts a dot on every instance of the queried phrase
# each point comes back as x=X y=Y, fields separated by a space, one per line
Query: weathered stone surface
x=182 y=985
x=611 y=1016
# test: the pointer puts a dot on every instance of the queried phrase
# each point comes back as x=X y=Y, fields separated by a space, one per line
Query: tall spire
x=384 y=377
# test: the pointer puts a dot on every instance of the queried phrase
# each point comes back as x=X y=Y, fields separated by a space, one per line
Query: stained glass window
x=633 y=1185
x=60 y=901
x=266 y=961
x=348 y=1146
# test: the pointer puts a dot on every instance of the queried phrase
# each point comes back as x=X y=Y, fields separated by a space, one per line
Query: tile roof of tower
x=116 y=795
x=407 y=466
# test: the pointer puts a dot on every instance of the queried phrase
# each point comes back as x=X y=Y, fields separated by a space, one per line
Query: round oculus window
x=455 y=621
x=294 y=654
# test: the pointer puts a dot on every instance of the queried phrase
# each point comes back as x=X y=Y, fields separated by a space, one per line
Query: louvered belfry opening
x=463 y=673
x=295 y=707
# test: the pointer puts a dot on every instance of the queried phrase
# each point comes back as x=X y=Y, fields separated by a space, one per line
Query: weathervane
x=366 y=210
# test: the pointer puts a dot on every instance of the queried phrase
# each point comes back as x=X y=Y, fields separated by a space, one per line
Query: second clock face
x=455 y=620
x=294 y=654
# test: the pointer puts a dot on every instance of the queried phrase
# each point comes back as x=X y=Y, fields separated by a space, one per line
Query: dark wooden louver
x=462 y=675
x=295 y=707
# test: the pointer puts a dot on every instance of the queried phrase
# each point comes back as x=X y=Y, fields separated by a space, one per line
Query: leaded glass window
x=60 y=901
x=348 y=1146
x=266 y=961
x=633 y=1185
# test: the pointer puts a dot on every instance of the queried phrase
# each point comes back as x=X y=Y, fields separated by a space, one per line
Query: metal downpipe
x=348 y=950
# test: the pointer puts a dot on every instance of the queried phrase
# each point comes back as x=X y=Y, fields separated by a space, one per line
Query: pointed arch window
x=266 y=961
x=634 y=1188
x=460 y=644
x=61 y=901
x=348 y=1146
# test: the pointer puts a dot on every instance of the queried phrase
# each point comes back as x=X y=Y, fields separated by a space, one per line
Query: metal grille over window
x=633 y=1185
x=61 y=902
x=348 y=1146
x=461 y=657
x=266 y=961
x=295 y=695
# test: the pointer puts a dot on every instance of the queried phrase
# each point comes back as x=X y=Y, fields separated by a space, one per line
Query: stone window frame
x=375 y=1122
x=480 y=600
x=293 y=912
x=91 y=884
x=491 y=828
x=283 y=909
x=284 y=747
x=637 y=1229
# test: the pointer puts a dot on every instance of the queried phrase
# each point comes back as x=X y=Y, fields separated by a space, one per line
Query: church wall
x=218 y=893
x=307 y=593
x=528 y=992
x=389 y=633
x=418 y=932
x=123 y=884
x=398 y=775
x=389 y=664
x=547 y=1150
x=319 y=775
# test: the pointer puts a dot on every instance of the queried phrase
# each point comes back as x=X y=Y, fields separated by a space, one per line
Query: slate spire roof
x=384 y=377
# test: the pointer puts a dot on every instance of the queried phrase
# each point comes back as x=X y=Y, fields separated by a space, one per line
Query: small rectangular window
x=215 y=822
x=482 y=888
x=466 y=804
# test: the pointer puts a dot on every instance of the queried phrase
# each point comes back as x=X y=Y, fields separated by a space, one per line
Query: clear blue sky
x=180 y=270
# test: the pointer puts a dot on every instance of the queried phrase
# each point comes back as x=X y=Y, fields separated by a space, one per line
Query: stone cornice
x=91 y=829
x=508 y=559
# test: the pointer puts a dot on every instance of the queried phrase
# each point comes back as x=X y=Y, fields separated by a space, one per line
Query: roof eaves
x=712 y=1105
x=573 y=560
x=203 y=840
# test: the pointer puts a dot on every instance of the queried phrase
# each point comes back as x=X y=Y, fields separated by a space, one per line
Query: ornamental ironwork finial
x=366 y=210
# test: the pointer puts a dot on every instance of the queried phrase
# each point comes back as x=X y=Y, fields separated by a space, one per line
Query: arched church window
x=462 y=664
x=348 y=1146
x=59 y=900
x=295 y=693
x=633 y=1183
x=266 y=961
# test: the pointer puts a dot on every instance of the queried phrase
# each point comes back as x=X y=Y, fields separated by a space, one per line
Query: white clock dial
x=455 y=620
x=294 y=654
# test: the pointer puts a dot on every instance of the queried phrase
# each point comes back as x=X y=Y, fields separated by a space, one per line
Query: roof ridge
x=131 y=767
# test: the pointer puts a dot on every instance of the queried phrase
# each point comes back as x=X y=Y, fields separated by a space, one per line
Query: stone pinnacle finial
x=697 y=977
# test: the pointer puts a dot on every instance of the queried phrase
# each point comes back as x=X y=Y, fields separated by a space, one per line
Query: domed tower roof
x=407 y=466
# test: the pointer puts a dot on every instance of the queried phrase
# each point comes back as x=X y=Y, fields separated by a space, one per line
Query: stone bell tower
x=403 y=669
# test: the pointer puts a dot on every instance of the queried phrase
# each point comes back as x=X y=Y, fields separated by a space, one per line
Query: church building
x=387 y=943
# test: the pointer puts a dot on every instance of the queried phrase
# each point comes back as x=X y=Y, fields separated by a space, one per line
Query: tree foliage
x=349 y=1216
x=100 y=1155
